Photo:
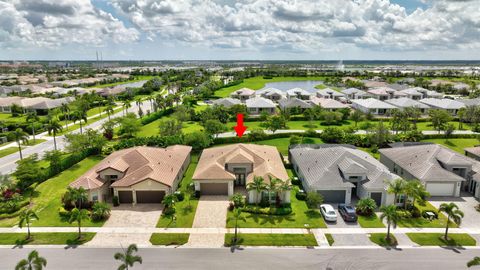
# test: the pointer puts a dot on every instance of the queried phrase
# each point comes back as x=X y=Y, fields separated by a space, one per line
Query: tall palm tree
x=391 y=215
x=20 y=137
x=53 y=127
x=128 y=257
x=416 y=190
x=237 y=216
x=78 y=215
x=473 y=262
x=66 y=111
x=32 y=118
x=126 y=104
x=258 y=184
x=284 y=186
x=77 y=196
x=453 y=214
x=396 y=187
x=25 y=218
x=160 y=102
x=33 y=262
x=80 y=115
x=151 y=99
x=109 y=110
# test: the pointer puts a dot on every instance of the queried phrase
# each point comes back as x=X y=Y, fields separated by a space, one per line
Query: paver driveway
x=467 y=204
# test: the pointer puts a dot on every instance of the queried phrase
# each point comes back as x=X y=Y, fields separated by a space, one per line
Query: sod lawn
x=380 y=239
x=45 y=239
x=329 y=239
x=421 y=222
x=372 y=221
x=436 y=239
x=168 y=239
x=273 y=239
x=185 y=210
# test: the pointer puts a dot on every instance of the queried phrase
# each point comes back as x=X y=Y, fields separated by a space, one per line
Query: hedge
x=280 y=211
x=147 y=119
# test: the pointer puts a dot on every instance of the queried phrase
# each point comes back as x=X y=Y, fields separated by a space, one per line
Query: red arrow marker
x=240 y=128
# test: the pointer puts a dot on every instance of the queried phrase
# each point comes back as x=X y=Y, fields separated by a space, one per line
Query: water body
x=284 y=86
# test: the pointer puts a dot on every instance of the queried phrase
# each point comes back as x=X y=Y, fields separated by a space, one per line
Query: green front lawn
x=185 y=209
x=167 y=239
x=152 y=128
x=272 y=239
x=45 y=239
x=370 y=222
x=421 y=222
x=8 y=151
x=380 y=239
x=436 y=239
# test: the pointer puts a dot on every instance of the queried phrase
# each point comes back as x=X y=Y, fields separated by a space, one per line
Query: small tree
x=25 y=218
x=366 y=206
x=357 y=116
x=169 y=201
x=391 y=215
x=170 y=127
x=475 y=261
x=32 y=118
x=33 y=262
x=453 y=214
x=128 y=257
x=213 y=127
x=313 y=199
x=449 y=131
x=237 y=200
x=275 y=123
x=439 y=119
x=236 y=217
x=129 y=125
x=100 y=211
x=78 y=215
x=53 y=127
x=396 y=187
x=20 y=137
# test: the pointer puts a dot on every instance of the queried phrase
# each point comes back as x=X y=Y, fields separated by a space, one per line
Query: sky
x=240 y=30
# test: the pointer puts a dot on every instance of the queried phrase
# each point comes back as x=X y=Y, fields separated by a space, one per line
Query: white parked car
x=328 y=212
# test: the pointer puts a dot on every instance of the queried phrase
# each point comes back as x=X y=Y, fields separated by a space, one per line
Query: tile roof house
x=443 y=171
x=330 y=93
x=339 y=172
x=473 y=152
x=294 y=103
x=354 y=93
x=372 y=105
x=227 y=102
x=258 y=105
x=413 y=93
x=470 y=101
x=384 y=93
x=404 y=102
x=243 y=94
x=271 y=93
x=450 y=105
x=222 y=168
x=298 y=93
x=327 y=103
x=39 y=104
x=136 y=175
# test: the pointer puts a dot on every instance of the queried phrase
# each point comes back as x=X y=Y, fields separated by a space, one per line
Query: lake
x=284 y=86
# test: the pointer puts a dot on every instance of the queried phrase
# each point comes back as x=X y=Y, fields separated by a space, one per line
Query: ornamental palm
x=396 y=187
x=390 y=213
x=78 y=216
x=33 y=262
x=80 y=115
x=237 y=216
x=169 y=201
x=453 y=213
x=32 y=118
x=53 y=127
x=66 y=111
x=258 y=184
x=20 y=137
x=473 y=262
x=415 y=190
x=127 y=257
x=77 y=196
x=109 y=111
x=25 y=218
x=272 y=186
x=126 y=104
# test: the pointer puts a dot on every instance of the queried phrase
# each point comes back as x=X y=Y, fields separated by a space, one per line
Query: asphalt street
x=251 y=258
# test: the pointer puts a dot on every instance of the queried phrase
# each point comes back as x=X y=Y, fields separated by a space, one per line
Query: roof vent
x=172 y=169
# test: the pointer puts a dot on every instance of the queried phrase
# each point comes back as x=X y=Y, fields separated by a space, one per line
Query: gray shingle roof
x=330 y=92
x=227 y=102
x=406 y=102
x=372 y=103
x=259 y=102
x=443 y=103
x=294 y=102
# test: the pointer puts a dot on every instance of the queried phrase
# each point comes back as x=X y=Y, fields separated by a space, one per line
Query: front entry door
x=240 y=179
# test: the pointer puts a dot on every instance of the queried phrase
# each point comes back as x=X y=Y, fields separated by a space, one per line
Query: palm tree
x=169 y=201
x=32 y=118
x=66 y=111
x=473 y=262
x=78 y=216
x=79 y=115
x=416 y=190
x=127 y=257
x=126 y=104
x=390 y=213
x=453 y=213
x=396 y=187
x=237 y=216
x=33 y=262
x=151 y=99
x=272 y=187
x=160 y=102
x=53 y=127
x=77 y=196
x=258 y=184
x=20 y=137
x=25 y=218
x=284 y=186
x=109 y=110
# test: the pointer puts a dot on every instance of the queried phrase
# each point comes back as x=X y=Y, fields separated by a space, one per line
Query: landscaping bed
x=45 y=238
x=273 y=239
x=436 y=239
x=167 y=239
x=421 y=222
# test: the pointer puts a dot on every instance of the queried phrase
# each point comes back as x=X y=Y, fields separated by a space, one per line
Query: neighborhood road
x=250 y=258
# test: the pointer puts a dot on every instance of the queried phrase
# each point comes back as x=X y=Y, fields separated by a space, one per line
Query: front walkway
x=211 y=213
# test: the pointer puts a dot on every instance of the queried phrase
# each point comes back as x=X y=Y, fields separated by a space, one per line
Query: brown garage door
x=150 y=196
x=214 y=188
x=125 y=196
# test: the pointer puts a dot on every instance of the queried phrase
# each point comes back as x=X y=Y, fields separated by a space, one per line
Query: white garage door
x=441 y=189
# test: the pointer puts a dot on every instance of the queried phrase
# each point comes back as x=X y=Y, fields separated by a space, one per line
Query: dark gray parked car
x=347 y=212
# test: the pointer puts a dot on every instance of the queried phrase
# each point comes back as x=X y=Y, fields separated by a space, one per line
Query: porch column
x=134 y=196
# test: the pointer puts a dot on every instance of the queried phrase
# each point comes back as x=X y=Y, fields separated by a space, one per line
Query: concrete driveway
x=351 y=240
x=340 y=222
x=467 y=204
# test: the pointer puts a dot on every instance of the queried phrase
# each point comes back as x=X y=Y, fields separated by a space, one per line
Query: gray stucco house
x=340 y=172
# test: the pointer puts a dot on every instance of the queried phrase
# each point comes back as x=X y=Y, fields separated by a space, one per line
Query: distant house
x=384 y=93
x=340 y=173
x=372 y=105
x=449 y=105
x=136 y=175
x=354 y=93
x=227 y=102
x=41 y=105
x=222 y=169
x=243 y=94
x=327 y=103
x=298 y=93
x=413 y=93
x=473 y=152
x=258 y=105
x=404 y=102
x=470 y=101
x=329 y=93
x=443 y=171
x=271 y=93
x=294 y=103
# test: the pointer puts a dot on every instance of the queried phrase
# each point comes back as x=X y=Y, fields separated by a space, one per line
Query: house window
x=95 y=198
x=272 y=197
x=400 y=199
x=353 y=178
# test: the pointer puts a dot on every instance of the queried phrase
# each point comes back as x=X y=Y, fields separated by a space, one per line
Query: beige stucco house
x=136 y=175
x=221 y=169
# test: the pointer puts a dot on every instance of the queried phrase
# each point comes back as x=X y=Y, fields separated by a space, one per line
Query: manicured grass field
x=283 y=143
x=256 y=83
x=421 y=222
x=456 y=144
x=370 y=222
x=167 y=239
x=45 y=239
x=329 y=239
x=251 y=239
x=436 y=239
x=77 y=125
x=185 y=209
x=7 y=151
x=152 y=129
x=137 y=78
x=379 y=239
x=47 y=197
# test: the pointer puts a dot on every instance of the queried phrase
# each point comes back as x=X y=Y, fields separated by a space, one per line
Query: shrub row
x=277 y=211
